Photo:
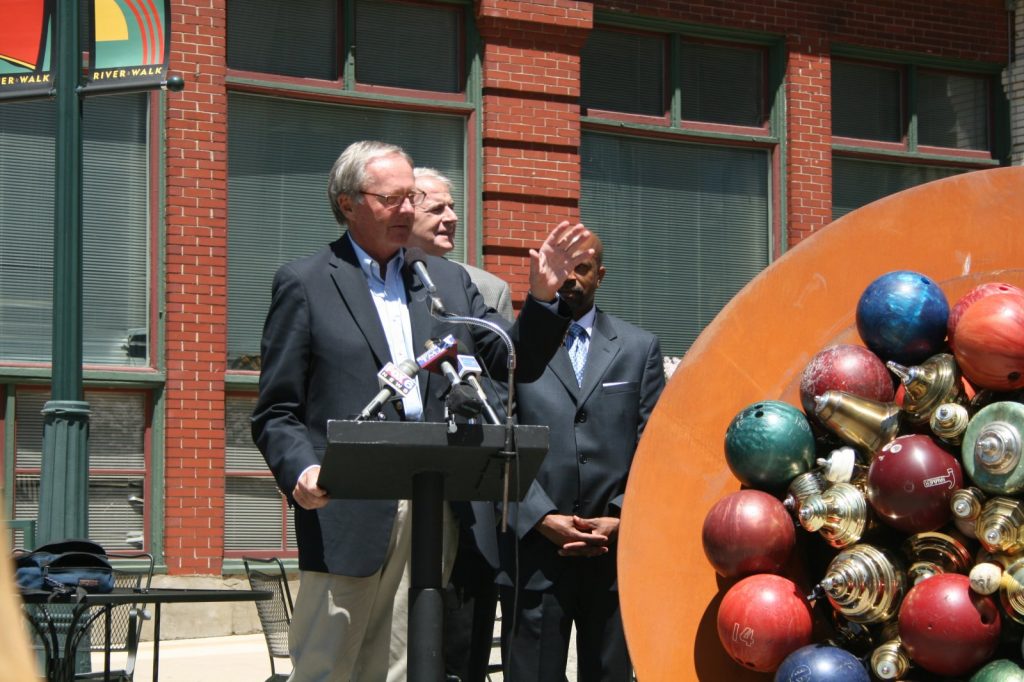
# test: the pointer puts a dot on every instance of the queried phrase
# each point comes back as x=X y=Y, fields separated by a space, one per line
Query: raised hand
x=551 y=264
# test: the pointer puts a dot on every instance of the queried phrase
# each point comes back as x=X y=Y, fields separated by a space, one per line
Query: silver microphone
x=469 y=370
x=396 y=382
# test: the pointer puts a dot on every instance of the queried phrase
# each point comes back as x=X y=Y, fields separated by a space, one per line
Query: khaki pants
x=341 y=627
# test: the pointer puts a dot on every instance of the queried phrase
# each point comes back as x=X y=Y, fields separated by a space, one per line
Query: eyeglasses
x=415 y=198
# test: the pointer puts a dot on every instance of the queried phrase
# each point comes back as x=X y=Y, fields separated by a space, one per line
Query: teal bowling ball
x=768 y=444
x=902 y=316
x=1000 y=670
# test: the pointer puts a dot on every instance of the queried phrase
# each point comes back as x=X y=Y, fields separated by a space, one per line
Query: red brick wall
x=531 y=174
x=196 y=291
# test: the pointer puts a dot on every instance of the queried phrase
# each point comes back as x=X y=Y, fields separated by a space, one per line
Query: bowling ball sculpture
x=821 y=663
x=769 y=444
x=748 y=532
x=902 y=316
x=762 y=619
x=932 y=408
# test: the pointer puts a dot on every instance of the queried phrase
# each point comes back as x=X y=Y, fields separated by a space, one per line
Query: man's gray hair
x=432 y=173
x=348 y=174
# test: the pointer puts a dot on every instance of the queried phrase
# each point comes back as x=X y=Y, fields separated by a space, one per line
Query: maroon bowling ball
x=946 y=628
x=849 y=368
x=762 y=619
x=965 y=301
x=910 y=482
x=747 y=532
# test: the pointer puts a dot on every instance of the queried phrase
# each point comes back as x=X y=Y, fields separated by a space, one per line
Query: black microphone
x=396 y=382
x=463 y=401
x=416 y=259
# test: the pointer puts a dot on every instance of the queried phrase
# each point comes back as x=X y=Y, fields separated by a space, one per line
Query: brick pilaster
x=196 y=290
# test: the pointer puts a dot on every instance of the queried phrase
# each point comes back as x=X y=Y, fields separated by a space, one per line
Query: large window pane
x=623 y=71
x=115 y=228
x=866 y=102
x=256 y=516
x=856 y=183
x=294 y=38
x=952 y=110
x=279 y=155
x=117 y=464
x=409 y=45
x=684 y=227
x=722 y=84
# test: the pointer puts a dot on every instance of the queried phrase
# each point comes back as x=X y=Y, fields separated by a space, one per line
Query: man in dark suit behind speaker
x=595 y=396
x=335 y=319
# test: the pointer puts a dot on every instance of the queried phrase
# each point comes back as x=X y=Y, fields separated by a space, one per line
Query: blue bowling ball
x=902 y=316
x=821 y=663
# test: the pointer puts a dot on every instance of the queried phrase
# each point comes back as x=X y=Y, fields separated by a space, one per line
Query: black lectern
x=425 y=463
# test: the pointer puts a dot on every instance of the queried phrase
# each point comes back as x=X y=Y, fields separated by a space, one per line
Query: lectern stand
x=427 y=464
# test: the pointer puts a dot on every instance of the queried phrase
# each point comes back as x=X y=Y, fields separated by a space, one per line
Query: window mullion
x=674 y=81
x=911 y=104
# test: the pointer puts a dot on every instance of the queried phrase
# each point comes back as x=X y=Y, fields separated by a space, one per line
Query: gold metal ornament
x=840 y=514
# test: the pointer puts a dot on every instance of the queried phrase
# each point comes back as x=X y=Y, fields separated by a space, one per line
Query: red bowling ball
x=762 y=619
x=977 y=293
x=848 y=368
x=747 y=532
x=910 y=483
x=946 y=628
x=990 y=342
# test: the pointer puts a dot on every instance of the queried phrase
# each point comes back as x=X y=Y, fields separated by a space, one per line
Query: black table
x=60 y=660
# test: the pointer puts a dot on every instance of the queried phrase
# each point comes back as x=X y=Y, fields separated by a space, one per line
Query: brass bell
x=948 y=422
x=932 y=553
x=926 y=386
x=864 y=583
x=861 y=422
x=840 y=514
x=999 y=525
x=966 y=504
x=803 y=486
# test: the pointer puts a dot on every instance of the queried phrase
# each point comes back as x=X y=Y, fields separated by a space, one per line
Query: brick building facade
x=534 y=107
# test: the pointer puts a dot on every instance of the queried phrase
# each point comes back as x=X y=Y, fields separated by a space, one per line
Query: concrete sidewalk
x=238 y=658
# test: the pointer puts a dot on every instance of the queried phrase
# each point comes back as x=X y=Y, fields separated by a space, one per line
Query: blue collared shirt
x=388 y=293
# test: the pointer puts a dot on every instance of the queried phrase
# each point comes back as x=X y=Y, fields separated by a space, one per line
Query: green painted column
x=64 y=484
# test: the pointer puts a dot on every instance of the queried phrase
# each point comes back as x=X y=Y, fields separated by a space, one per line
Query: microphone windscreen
x=415 y=254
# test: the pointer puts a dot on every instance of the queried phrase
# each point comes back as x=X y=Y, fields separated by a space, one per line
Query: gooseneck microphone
x=395 y=381
x=416 y=258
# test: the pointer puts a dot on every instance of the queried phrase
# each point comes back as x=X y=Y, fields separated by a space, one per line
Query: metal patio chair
x=275 y=613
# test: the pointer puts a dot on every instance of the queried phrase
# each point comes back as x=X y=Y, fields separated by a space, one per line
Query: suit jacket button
x=581 y=416
x=583 y=459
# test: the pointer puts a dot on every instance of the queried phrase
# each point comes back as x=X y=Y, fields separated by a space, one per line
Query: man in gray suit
x=434 y=231
x=595 y=396
x=336 y=318
x=471 y=595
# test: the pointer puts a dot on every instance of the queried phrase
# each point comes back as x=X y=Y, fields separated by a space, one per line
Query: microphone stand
x=509 y=452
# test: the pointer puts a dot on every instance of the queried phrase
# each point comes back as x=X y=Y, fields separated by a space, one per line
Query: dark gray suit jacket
x=322 y=347
x=594 y=433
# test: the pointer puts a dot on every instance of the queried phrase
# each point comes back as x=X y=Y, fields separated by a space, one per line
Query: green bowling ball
x=768 y=444
x=1000 y=670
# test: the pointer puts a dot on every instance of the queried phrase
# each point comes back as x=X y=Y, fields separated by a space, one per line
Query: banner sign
x=26 y=40
x=128 y=46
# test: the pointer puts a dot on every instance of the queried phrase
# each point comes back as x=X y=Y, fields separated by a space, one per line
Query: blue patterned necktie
x=576 y=342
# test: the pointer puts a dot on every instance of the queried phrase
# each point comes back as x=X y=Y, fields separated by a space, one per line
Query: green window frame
x=120 y=470
x=405 y=72
x=900 y=120
x=685 y=200
x=116 y=243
